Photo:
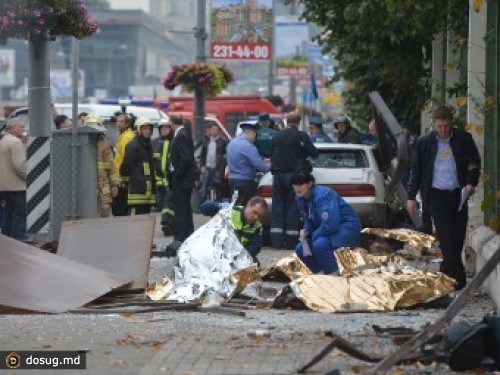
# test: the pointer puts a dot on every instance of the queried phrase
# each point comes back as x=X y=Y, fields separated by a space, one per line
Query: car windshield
x=340 y=159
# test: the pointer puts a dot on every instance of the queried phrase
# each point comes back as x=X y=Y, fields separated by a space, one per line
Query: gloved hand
x=223 y=205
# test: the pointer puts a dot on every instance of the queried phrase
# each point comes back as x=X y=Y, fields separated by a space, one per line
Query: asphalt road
x=183 y=342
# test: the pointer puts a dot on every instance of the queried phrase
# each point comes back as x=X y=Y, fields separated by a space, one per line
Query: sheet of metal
x=34 y=279
x=120 y=245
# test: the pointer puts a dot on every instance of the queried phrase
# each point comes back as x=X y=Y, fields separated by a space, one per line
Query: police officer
x=289 y=151
x=243 y=161
x=316 y=132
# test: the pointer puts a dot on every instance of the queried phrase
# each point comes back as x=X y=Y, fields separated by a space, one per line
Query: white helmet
x=141 y=121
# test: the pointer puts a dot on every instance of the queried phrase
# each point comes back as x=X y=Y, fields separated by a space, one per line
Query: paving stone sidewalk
x=234 y=354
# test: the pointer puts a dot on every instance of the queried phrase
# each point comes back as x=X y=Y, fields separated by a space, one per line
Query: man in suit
x=445 y=168
x=182 y=180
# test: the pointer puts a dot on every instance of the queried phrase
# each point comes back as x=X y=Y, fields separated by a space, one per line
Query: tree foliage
x=385 y=45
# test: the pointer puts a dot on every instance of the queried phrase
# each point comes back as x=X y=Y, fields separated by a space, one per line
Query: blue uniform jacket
x=320 y=138
x=243 y=159
x=327 y=214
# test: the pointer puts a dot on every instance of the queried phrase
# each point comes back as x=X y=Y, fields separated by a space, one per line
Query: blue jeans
x=205 y=184
x=14 y=223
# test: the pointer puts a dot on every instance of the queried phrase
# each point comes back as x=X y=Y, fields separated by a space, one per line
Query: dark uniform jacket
x=182 y=159
x=351 y=135
x=466 y=158
x=161 y=147
x=290 y=149
x=138 y=166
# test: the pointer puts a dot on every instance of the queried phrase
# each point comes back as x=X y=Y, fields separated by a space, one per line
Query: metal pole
x=75 y=55
x=201 y=36
x=41 y=120
x=40 y=115
x=270 y=83
x=293 y=80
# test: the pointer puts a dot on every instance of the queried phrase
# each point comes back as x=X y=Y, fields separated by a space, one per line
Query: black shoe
x=171 y=248
x=459 y=286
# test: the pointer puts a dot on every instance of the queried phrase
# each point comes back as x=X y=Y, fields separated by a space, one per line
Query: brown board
x=37 y=280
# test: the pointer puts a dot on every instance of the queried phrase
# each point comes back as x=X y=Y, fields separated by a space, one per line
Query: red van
x=229 y=109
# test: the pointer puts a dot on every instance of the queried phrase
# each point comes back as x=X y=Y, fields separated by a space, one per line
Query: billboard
x=291 y=47
x=61 y=83
x=7 y=67
x=241 y=30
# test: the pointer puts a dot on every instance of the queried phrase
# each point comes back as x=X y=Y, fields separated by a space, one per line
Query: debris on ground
x=413 y=238
x=119 y=245
x=370 y=290
x=33 y=279
x=160 y=289
x=285 y=269
x=350 y=259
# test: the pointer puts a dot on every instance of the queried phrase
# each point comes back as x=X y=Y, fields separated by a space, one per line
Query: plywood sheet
x=119 y=245
x=35 y=279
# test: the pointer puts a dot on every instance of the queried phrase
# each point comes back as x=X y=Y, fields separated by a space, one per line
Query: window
x=233 y=118
x=340 y=159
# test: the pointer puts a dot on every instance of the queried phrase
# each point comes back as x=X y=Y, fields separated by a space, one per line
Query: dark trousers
x=450 y=229
x=14 y=223
x=160 y=197
x=247 y=189
x=285 y=215
x=184 y=225
x=119 y=206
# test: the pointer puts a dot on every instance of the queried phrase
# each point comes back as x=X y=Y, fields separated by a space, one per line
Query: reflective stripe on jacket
x=247 y=234
x=122 y=141
x=137 y=165
x=160 y=158
x=107 y=175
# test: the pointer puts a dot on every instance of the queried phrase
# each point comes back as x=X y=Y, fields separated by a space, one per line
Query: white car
x=107 y=112
x=353 y=172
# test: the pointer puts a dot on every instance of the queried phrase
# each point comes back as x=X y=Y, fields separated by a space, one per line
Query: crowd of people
x=140 y=175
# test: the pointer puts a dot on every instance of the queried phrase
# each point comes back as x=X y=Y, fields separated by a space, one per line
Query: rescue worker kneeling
x=246 y=222
x=329 y=223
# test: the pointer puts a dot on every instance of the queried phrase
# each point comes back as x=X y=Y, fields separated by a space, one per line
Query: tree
x=385 y=45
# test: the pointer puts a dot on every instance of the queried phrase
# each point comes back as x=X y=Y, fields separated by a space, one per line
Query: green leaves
x=384 y=45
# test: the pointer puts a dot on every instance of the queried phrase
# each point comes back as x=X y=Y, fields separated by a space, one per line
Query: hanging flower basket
x=21 y=18
x=211 y=78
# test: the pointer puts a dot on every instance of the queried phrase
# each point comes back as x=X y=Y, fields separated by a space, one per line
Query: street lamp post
x=201 y=36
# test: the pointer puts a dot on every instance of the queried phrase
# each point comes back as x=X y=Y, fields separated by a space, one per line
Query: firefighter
x=161 y=149
x=138 y=166
x=108 y=179
x=119 y=205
